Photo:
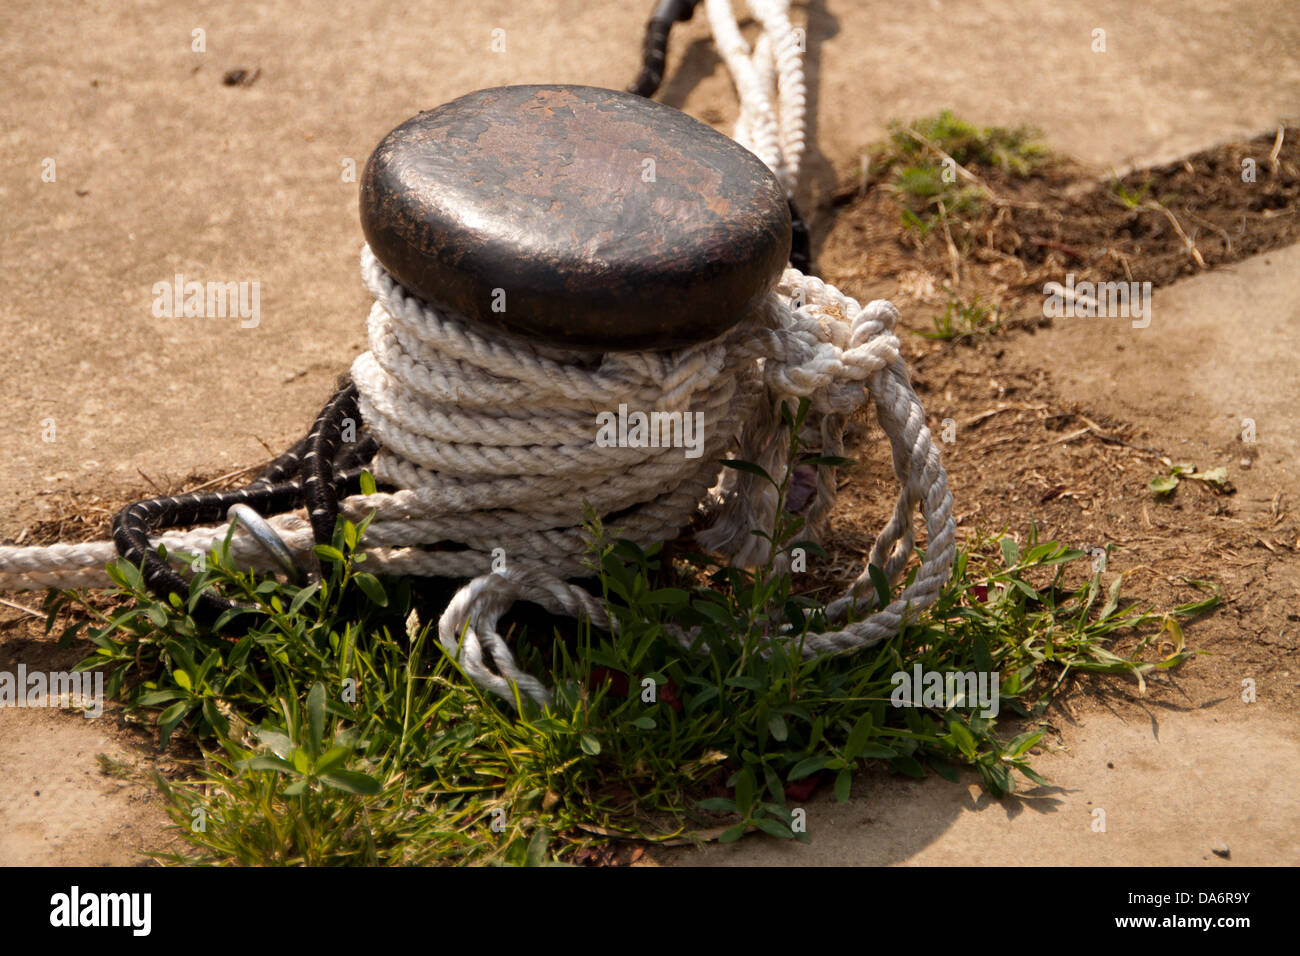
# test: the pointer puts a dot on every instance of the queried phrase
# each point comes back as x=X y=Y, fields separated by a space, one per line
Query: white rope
x=769 y=84
x=493 y=438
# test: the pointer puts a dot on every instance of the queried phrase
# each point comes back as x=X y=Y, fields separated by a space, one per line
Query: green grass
x=338 y=732
x=1130 y=198
x=1166 y=483
x=1015 y=150
x=928 y=189
x=963 y=320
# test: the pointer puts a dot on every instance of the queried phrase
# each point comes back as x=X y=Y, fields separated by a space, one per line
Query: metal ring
x=269 y=539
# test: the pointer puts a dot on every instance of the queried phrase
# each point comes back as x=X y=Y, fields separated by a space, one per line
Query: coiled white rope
x=493 y=439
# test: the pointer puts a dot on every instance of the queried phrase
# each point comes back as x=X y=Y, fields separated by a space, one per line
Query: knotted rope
x=491 y=441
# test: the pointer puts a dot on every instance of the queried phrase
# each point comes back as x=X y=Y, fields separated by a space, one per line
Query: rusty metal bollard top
x=577 y=216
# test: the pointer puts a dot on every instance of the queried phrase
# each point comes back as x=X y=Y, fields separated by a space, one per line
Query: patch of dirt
x=1029 y=458
x=1192 y=214
x=609 y=854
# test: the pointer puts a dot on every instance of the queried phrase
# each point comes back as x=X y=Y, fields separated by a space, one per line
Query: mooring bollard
x=578 y=216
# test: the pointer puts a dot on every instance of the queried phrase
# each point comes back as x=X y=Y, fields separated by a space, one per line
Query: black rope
x=800 y=241
x=654 y=49
x=318 y=462
x=316 y=471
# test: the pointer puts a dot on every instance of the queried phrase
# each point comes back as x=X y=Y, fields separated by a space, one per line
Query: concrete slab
x=1233 y=335
x=1166 y=796
x=60 y=807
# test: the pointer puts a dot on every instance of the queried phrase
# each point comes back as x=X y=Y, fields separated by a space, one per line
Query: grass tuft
x=918 y=162
x=963 y=320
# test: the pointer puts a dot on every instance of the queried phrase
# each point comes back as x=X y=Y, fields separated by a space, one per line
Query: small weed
x=1133 y=199
x=111 y=767
x=1015 y=150
x=929 y=187
x=962 y=320
x=1165 y=485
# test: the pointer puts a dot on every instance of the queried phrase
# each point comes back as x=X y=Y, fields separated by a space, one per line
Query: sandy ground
x=1229 y=340
x=1150 y=791
x=61 y=806
x=161 y=169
